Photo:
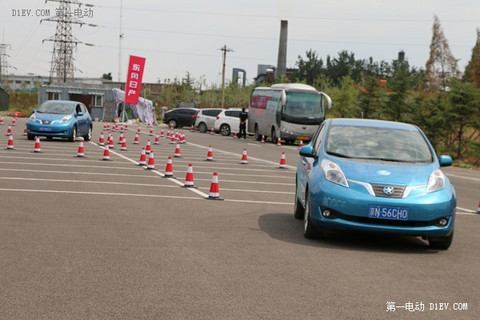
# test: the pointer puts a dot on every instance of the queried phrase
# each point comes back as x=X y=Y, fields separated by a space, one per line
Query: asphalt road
x=84 y=238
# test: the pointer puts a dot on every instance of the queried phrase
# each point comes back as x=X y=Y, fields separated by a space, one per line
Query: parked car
x=228 y=120
x=62 y=119
x=180 y=117
x=205 y=119
x=374 y=176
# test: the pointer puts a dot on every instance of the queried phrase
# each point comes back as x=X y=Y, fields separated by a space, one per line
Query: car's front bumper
x=348 y=210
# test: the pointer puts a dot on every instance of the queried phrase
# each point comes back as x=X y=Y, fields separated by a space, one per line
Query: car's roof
x=372 y=123
x=63 y=101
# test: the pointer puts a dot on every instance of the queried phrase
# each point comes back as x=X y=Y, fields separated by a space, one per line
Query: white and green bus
x=289 y=111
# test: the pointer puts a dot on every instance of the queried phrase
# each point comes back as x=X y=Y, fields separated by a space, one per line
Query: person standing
x=243 y=124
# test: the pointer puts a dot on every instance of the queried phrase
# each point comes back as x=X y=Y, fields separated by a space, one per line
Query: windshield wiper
x=341 y=155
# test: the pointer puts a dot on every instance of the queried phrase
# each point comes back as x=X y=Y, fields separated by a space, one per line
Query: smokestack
x=282 y=50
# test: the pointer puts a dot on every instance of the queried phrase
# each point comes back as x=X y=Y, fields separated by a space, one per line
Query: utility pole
x=62 y=65
x=225 y=50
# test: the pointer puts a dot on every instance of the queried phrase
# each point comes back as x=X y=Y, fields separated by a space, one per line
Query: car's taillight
x=218 y=117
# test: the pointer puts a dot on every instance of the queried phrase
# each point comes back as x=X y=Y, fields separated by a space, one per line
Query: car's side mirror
x=80 y=114
x=307 y=151
x=445 y=161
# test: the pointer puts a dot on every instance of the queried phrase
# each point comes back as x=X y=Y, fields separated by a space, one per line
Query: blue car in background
x=62 y=119
x=374 y=176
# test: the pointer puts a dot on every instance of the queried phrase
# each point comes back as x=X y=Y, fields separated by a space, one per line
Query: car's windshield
x=378 y=144
x=55 y=108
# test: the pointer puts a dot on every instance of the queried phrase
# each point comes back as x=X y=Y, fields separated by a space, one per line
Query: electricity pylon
x=62 y=64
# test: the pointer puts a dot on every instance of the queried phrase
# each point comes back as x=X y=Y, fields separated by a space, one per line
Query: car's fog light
x=326 y=213
x=443 y=222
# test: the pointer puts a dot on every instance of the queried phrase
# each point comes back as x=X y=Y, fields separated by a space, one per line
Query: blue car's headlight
x=436 y=181
x=334 y=173
x=66 y=119
x=33 y=117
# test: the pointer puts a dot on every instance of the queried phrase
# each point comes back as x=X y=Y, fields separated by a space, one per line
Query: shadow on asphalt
x=284 y=227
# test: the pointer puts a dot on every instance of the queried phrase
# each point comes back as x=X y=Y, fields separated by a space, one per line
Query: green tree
x=464 y=112
x=308 y=69
x=344 y=99
x=472 y=70
x=398 y=107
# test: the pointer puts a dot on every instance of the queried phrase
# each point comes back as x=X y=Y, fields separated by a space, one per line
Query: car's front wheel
x=202 y=127
x=225 y=130
x=88 y=136
x=309 y=230
x=442 y=243
x=172 y=123
x=73 y=135
x=299 y=210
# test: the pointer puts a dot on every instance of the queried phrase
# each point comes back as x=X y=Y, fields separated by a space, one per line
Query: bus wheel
x=274 y=136
x=257 y=134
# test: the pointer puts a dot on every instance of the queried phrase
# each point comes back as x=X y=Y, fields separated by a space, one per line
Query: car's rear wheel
x=202 y=127
x=442 y=243
x=225 y=130
x=73 y=135
x=172 y=123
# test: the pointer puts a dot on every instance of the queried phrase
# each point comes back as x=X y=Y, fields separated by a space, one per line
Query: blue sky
x=181 y=36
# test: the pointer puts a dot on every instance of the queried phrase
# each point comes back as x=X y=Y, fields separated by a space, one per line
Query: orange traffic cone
x=9 y=130
x=172 y=140
x=300 y=144
x=192 y=128
x=14 y=122
x=1 y=120
x=151 y=161
x=169 y=168
x=244 y=157
x=279 y=141
x=263 y=139
x=10 y=142
x=148 y=147
x=120 y=139
x=235 y=134
x=25 y=131
x=283 y=161
x=81 y=151
x=151 y=132
x=135 y=140
x=209 y=154
x=36 y=147
x=124 y=145
x=177 y=153
x=106 y=153
x=189 y=177
x=214 y=193
x=101 y=140
x=143 y=158
x=162 y=133
x=157 y=139
x=212 y=131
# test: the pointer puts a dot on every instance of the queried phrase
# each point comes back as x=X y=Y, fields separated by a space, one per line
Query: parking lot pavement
x=258 y=181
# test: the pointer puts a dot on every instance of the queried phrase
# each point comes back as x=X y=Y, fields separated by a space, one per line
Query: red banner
x=133 y=86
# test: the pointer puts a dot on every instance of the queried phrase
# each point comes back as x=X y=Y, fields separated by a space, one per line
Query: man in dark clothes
x=243 y=124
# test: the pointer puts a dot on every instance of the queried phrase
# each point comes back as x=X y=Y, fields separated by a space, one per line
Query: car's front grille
x=388 y=191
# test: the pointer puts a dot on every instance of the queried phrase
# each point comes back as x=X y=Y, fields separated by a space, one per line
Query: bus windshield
x=302 y=107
